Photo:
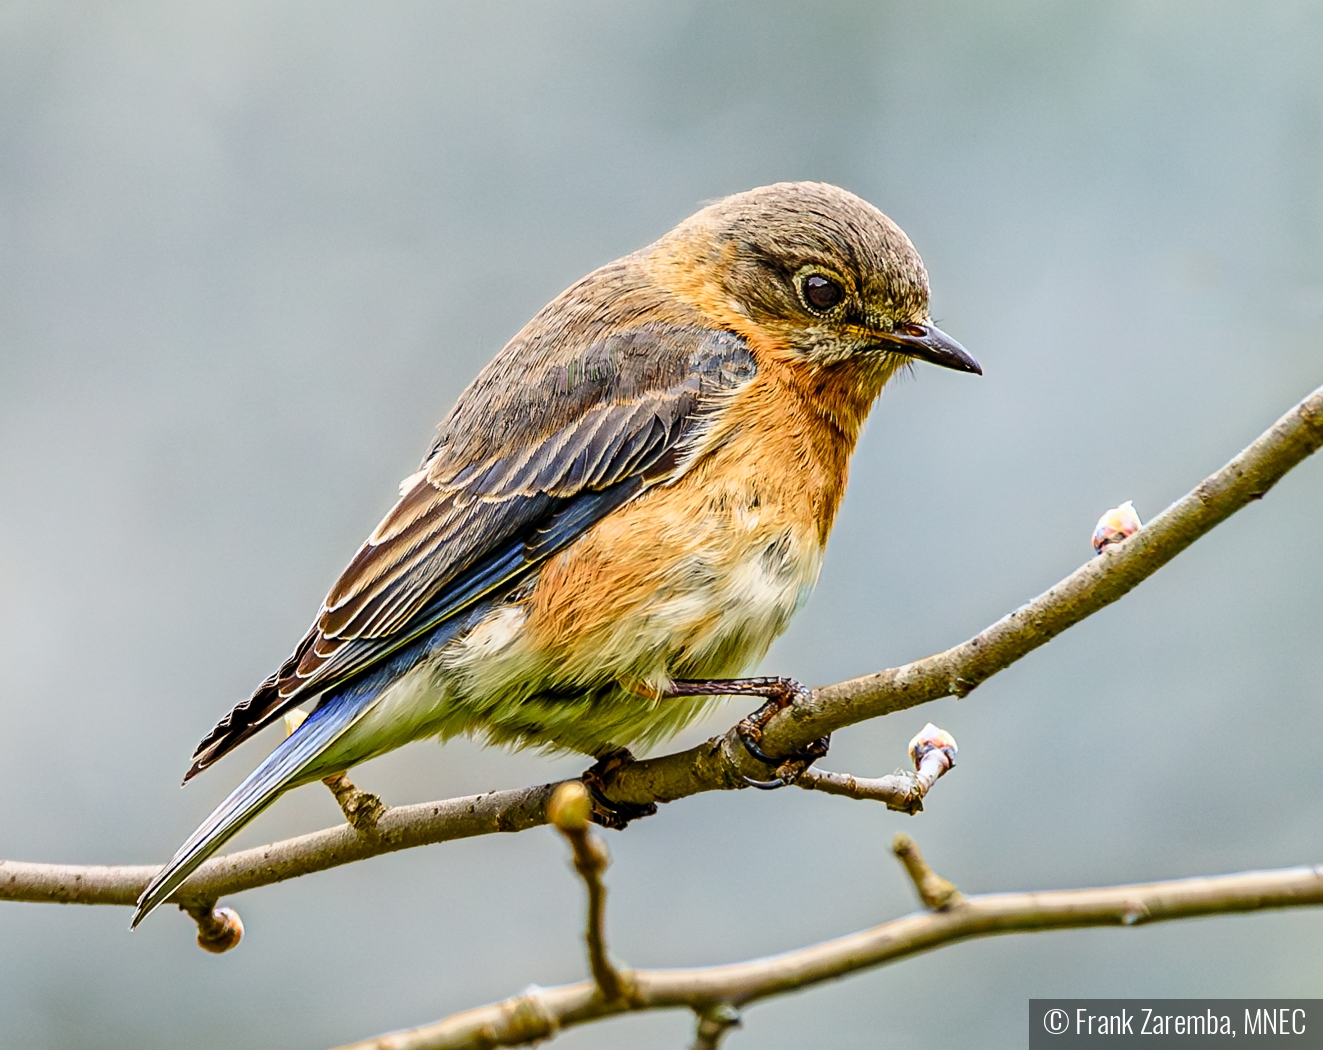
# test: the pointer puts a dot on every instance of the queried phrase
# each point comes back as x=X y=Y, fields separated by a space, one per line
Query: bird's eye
x=821 y=293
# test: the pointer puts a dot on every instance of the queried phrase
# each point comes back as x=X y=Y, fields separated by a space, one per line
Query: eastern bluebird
x=621 y=512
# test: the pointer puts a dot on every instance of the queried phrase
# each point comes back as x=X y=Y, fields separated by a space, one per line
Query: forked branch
x=722 y=763
x=717 y=993
x=570 y=810
x=933 y=752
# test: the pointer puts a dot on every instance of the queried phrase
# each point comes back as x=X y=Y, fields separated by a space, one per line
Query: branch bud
x=219 y=929
x=1119 y=523
x=571 y=807
x=930 y=738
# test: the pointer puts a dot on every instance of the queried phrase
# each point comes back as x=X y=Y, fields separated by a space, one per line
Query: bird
x=619 y=514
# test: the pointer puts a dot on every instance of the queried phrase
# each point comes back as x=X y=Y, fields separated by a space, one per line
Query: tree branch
x=362 y=809
x=936 y=893
x=570 y=810
x=395 y=828
x=933 y=751
x=721 y=763
x=715 y=992
x=714 y=1023
x=399 y=827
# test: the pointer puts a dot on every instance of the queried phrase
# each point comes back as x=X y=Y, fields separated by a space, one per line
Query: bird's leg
x=779 y=693
x=607 y=811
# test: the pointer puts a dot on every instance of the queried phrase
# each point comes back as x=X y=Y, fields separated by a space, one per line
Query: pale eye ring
x=821 y=293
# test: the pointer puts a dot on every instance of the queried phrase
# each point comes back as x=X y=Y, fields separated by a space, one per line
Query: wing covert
x=519 y=470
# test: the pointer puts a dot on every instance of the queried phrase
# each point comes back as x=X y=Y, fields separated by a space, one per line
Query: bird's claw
x=788 y=769
x=764 y=785
x=609 y=812
x=781 y=693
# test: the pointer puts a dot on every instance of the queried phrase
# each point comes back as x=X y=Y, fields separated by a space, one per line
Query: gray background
x=250 y=253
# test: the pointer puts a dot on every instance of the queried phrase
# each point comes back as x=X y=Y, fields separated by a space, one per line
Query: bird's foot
x=788 y=768
x=779 y=693
x=609 y=812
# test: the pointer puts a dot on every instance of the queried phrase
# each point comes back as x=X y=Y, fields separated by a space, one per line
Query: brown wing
x=518 y=470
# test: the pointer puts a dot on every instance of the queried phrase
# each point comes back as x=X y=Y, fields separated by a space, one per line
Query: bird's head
x=813 y=272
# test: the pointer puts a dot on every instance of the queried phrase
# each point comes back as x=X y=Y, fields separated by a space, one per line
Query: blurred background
x=251 y=252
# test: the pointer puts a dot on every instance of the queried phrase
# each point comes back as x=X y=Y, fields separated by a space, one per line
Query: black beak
x=929 y=343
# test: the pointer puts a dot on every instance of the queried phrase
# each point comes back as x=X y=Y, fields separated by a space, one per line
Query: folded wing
x=526 y=462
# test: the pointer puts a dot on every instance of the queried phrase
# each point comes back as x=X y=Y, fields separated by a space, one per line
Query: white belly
x=708 y=620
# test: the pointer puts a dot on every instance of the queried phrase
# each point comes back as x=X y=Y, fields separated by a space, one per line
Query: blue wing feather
x=280 y=770
x=341 y=707
x=558 y=451
x=500 y=469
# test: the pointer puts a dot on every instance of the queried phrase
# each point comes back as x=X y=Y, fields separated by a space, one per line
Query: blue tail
x=337 y=711
x=261 y=787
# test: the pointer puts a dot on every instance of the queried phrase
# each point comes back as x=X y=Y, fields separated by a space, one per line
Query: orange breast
x=696 y=578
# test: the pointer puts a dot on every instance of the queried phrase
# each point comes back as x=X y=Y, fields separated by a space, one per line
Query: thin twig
x=570 y=810
x=898 y=790
x=933 y=751
x=541 y=1013
x=361 y=808
x=937 y=893
x=219 y=929
x=713 y=1025
x=722 y=763
x=398 y=827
